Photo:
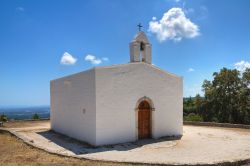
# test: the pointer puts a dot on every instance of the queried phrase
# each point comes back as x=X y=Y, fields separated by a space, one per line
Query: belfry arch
x=140 y=49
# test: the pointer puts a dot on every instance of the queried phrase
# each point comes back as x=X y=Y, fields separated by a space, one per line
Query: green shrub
x=193 y=117
x=36 y=116
x=3 y=118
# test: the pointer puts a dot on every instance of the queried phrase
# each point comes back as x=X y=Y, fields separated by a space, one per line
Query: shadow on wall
x=79 y=147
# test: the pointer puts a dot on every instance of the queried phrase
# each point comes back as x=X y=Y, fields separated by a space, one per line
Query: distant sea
x=27 y=112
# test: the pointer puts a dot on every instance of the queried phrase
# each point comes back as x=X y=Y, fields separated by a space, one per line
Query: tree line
x=226 y=99
x=5 y=118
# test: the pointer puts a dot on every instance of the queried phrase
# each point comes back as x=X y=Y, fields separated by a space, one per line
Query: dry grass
x=14 y=152
x=24 y=123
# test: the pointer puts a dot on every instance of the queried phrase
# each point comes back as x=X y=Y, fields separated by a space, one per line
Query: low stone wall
x=213 y=124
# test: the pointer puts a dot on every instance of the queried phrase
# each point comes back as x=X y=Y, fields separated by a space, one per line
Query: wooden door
x=144 y=120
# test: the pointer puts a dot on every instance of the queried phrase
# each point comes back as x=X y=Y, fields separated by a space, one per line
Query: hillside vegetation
x=226 y=99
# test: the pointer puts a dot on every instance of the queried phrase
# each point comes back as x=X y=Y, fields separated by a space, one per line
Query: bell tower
x=140 y=49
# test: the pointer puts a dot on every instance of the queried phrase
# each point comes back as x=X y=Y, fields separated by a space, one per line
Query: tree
x=227 y=85
x=227 y=97
x=198 y=101
x=245 y=97
x=188 y=106
x=246 y=77
x=35 y=116
x=208 y=112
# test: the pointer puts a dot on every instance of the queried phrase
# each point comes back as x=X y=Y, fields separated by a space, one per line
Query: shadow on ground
x=79 y=147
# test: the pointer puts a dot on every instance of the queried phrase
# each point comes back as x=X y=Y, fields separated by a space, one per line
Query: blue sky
x=202 y=37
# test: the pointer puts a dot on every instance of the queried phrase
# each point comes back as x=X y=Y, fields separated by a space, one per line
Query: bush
x=193 y=117
x=35 y=116
x=3 y=118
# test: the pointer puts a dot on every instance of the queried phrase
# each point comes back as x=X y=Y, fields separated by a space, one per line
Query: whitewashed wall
x=118 y=88
x=70 y=96
x=109 y=96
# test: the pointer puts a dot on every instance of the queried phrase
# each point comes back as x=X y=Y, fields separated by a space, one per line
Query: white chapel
x=119 y=103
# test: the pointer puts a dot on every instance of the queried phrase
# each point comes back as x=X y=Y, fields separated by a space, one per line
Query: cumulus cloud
x=242 y=65
x=191 y=70
x=93 y=60
x=68 y=59
x=174 y=25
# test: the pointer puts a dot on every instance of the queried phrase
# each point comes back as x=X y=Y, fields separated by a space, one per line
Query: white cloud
x=174 y=25
x=105 y=59
x=242 y=65
x=154 y=18
x=191 y=70
x=92 y=59
x=19 y=8
x=68 y=59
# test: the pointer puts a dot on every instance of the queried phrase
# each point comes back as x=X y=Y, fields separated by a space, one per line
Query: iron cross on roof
x=139 y=26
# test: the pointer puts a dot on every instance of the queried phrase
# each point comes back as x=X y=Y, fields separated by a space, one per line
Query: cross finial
x=139 y=26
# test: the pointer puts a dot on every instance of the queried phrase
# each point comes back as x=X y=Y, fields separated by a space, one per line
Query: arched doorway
x=144 y=120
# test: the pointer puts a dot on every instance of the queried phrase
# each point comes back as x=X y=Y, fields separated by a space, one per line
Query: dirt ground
x=14 y=152
x=26 y=123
